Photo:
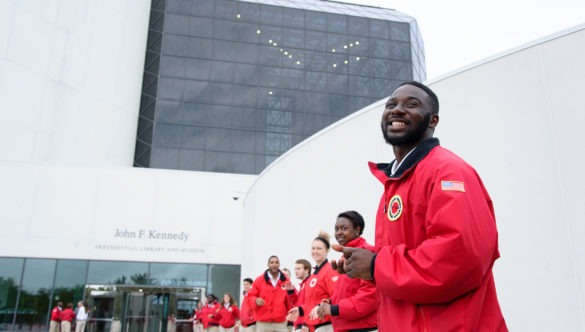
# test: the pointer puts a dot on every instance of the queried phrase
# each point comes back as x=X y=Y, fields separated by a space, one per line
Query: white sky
x=457 y=33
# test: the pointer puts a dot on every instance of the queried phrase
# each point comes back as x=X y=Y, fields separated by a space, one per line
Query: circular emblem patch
x=313 y=282
x=395 y=208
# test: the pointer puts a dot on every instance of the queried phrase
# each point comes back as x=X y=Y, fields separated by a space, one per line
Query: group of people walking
x=62 y=320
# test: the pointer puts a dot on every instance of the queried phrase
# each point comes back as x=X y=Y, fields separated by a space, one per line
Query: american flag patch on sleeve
x=452 y=186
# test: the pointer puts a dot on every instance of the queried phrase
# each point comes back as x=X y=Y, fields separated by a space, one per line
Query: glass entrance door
x=118 y=308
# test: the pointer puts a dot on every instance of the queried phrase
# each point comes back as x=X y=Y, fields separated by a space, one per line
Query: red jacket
x=294 y=298
x=246 y=313
x=210 y=314
x=354 y=302
x=56 y=314
x=67 y=315
x=228 y=316
x=319 y=286
x=436 y=243
x=275 y=306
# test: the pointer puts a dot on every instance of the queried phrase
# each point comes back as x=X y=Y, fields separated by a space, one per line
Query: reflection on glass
x=118 y=273
x=10 y=274
x=35 y=296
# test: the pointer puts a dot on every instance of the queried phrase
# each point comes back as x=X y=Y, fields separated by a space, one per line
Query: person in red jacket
x=210 y=314
x=319 y=288
x=247 y=319
x=229 y=313
x=302 y=272
x=436 y=236
x=55 y=323
x=353 y=305
x=67 y=316
x=268 y=298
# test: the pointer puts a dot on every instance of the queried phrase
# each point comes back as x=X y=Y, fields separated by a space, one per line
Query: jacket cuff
x=301 y=312
x=334 y=310
x=373 y=266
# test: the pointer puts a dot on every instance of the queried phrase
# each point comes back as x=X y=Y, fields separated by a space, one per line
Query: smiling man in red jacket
x=268 y=298
x=436 y=237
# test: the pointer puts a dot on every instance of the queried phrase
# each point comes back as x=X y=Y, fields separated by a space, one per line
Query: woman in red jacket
x=354 y=303
x=319 y=288
x=228 y=313
x=210 y=314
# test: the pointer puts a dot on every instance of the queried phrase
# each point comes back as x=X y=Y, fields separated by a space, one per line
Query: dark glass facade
x=231 y=85
x=115 y=291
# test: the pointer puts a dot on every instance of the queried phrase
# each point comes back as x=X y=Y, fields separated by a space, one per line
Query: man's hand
x=357 y=261
x=293 y=314
x=259 y=301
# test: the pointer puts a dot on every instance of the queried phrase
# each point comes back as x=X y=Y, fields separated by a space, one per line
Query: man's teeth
x=397 y=124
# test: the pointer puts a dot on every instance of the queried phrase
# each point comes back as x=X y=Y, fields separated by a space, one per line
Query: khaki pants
x=211 y=329
x=271 y=327
x=65 y=326
x=248 y=329
x=80 y=325
x=54 y=326
x=325 y=328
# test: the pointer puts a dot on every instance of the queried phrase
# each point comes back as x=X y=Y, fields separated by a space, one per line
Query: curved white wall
x=71 y=79
x=517 y=119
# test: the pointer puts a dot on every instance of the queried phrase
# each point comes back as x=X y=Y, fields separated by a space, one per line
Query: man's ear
x=434 y=121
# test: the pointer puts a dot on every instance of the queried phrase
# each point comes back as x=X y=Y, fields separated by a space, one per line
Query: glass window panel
x=400 y=51
x=10 y=275
x=171 y=66
x=177 y=24
x=243 y=141
x=248 y=32
x=220 y=116
x=195 y=113
x=380 y=48
x=357 y=26
x=218 y=162
x=400 y=31
x=189 y=275
x=248 y=53
x=293 y=17
x=246 y=74
x=270 y=76
x=315 y=40
x=35 y=296
x=337 y=63
x=244 y=118
x=164 y=158
x=315 y=103
x=220 y=93
x=315 y=122
x=315 y=21
x=117 y=273
x=357 y=103
x=293 y=38
x=271 y=35
x=249 y=12
x=336 y=23
x=292 y=78
x=315 y=61
x=360 y=86
x=337 y=83
x=381 y=88
x=381 y=68
x=224 y=50
x=222 y=71
x=225 y=9
x=202 y=7
x=178 y=6
x=225 y=29
x=169 y=111
x=379 y=29
x=400 y=70
x=338 y=105
x=167 y=135
x=70 y=280
x=336 y=42
x=200 y=26
x=197 y=69
x=193 y=137
x=191 y=159
x=359 y=67
x=197 y=91
x=244 y=96
x=243 y=163
x=271 y=15
x=170 y=88
x=218 y=139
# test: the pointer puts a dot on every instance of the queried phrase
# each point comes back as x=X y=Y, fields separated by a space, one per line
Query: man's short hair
x=430 y=93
